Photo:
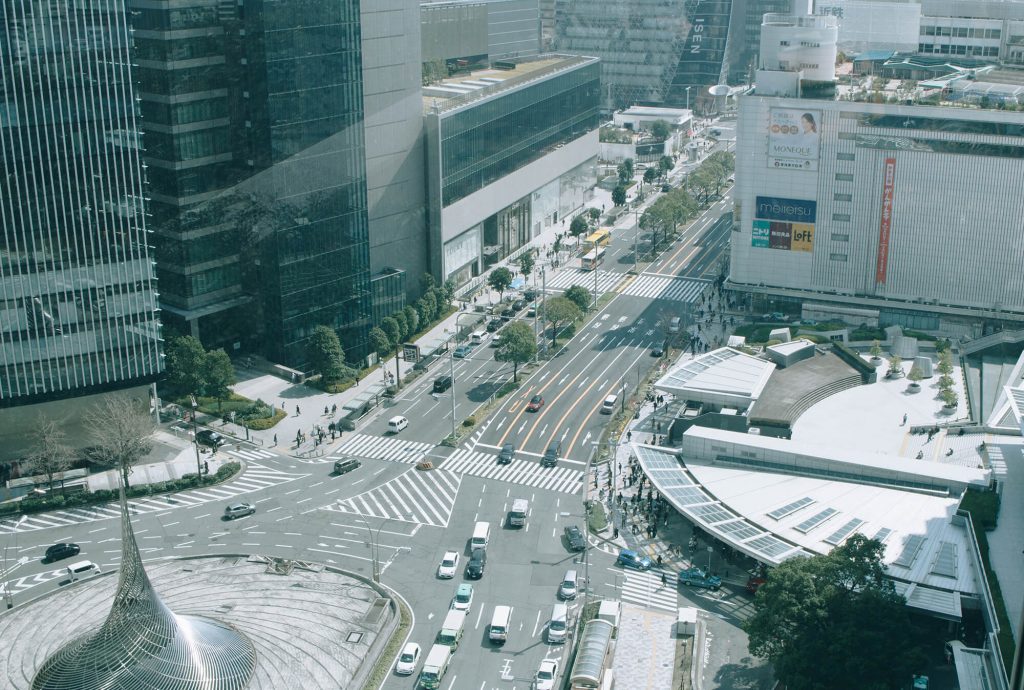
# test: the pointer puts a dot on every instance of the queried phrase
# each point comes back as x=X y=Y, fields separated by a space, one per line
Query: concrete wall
x=395 y=173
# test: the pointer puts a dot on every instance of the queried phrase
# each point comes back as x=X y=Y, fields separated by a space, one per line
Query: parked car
x=631 y=559
x=546 y=674
x=507 y=454
x=462 y=351
x=408 y=659
x=463 y=599
x=210 y=439
x=493 y=325
x=237 y=510
x=449 y=565
x=536 y=402
x=477 y=564
x=666 y=188
x=574 y=537
x=61 y=551
x=775 y=316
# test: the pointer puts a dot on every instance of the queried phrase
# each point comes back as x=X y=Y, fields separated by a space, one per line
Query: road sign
x=411 y=352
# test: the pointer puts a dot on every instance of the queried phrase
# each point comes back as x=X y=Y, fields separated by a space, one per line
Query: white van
x=396 y=424
x=76 y=571
x=477 y=337
x=481 y=535
x=558 y=626
x=520 y=509
x=608 y=406
x=498 y=632
x=570 y=584
x=673 y=325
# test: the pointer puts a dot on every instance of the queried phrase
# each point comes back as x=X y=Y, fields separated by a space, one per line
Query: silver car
x=237 y=510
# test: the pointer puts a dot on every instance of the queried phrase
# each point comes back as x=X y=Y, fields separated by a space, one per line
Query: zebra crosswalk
x=414 y=496
x=382 y=448
x=527 y=473
x=662 y=287
x=251 y=453
x=568 y=277
x=254 y=478
x=645 y=589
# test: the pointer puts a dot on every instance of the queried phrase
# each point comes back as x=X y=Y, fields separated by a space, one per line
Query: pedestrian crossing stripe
x=255 y=478
x=525 y=472
x=566 y=278
x=646 y=589
x=382 y=448
x=251 y=453
x=420 y=497
x=660 y=287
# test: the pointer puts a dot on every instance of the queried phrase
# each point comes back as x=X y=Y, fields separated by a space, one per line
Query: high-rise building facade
x=253 y=132
x=78 y=310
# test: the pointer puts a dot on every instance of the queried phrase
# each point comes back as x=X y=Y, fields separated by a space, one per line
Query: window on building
x=843 y=197
x=837 y=257
x=840 y=237
x=841 y=217
x=844 y=177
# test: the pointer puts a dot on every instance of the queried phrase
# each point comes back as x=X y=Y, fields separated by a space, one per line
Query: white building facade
x=911 y=210
x=874 y=24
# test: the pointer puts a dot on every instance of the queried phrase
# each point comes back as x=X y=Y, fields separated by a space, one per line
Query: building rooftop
x=724 y=375
x=463 y=89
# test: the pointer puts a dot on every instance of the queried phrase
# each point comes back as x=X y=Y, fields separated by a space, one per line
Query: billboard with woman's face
x=793 y=138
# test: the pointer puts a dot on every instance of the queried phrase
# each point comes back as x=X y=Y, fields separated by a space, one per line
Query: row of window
x=960 y=32
x=946 y=49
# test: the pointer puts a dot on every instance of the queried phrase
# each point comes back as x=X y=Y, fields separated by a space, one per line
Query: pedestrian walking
x=904 y=419
x=326 y=410
x=297 y=411
x=275 y=439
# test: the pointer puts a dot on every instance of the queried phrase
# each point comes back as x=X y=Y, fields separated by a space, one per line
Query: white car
x=408 y=659
x=449 y=565
x=545 y=678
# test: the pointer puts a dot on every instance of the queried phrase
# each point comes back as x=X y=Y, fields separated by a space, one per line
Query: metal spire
x=143 y=645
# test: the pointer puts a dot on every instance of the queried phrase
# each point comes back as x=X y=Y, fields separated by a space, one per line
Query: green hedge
x=77 y=500
x=266 y=422
x=867 y=371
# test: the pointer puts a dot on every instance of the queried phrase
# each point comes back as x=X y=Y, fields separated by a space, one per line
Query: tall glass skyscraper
x=253 y=131
x=78 y=311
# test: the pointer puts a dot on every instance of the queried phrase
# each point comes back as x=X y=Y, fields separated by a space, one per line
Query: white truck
x=517 y=516
x=435 y=666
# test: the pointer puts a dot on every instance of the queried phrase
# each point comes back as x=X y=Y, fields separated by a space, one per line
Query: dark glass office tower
x=253 y=124
x=78 y=311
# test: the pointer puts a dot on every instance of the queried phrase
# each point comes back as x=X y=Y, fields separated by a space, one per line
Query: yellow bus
x=599 y=238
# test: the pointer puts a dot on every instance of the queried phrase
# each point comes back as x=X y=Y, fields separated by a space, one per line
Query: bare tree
x=49 y=455
x=120 y=431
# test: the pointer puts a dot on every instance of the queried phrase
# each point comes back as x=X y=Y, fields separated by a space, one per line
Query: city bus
x=599 y=238
x=592 y=259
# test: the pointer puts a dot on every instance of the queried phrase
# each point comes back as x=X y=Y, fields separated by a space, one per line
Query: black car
x=60 y=551
x=508 y=314
x=210 y=438
x=574 y=538
x=530 y=295
x=666 y=188
x=550 y=458
x=657 y=351
x=476 y=565
x=519 y=305
x=493 y=325
x=507 y=454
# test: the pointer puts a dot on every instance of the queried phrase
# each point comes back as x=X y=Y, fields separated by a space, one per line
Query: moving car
x=657 y=351
x=397 y=423
x=61 y=551
x=559 y=623
x=532 y=311
x=550 y=458
x=574 y=537
x=237 y=510
x=666 y=188
x=477 y=564
x=449 y=565
x=76 y=571
x=408 y=659
x=493 y=325
x=210 y=439
x=463 y=599
x=545 y=678
x=536 y=402
x=775 y=316
x=631 y=559
x=696 y=576
x=507 y=454
x=508 y=314
x=570 y=584
x=530 y=295
x=519 y=305
x=462 y=351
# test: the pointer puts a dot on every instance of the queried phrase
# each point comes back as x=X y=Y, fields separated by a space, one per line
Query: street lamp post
x=688 y=104
x=8 y=596
x=636 y=240
x=195 y=434
x=374 y=544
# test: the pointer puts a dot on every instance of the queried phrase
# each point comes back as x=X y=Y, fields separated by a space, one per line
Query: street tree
x=619 y=195
x=219 y=375
x=594 y=213
x=701 y=184
x=660 y=130
x=378 y=341
x=624 y=173
x=518 y=346
x=499 y=280
x=403 y=324
x=665 y=165
x=650 y=175
x=835 y=622
x=427 y=307
x=323 y=349
x=48 y=455
x=578 y=226
x=628 y=165
x=120 y=433
x=394 y=333
x=427 y=283
x=526 y=263
x=412 y=318
x=561 y=312
x=185 y=365
x=580 y=296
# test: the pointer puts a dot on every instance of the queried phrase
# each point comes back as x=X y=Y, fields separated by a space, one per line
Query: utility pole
x=195 y=434
x=451 y=366
x=636 y=240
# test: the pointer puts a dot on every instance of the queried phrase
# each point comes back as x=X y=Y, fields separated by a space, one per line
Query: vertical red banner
x=881 y=267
